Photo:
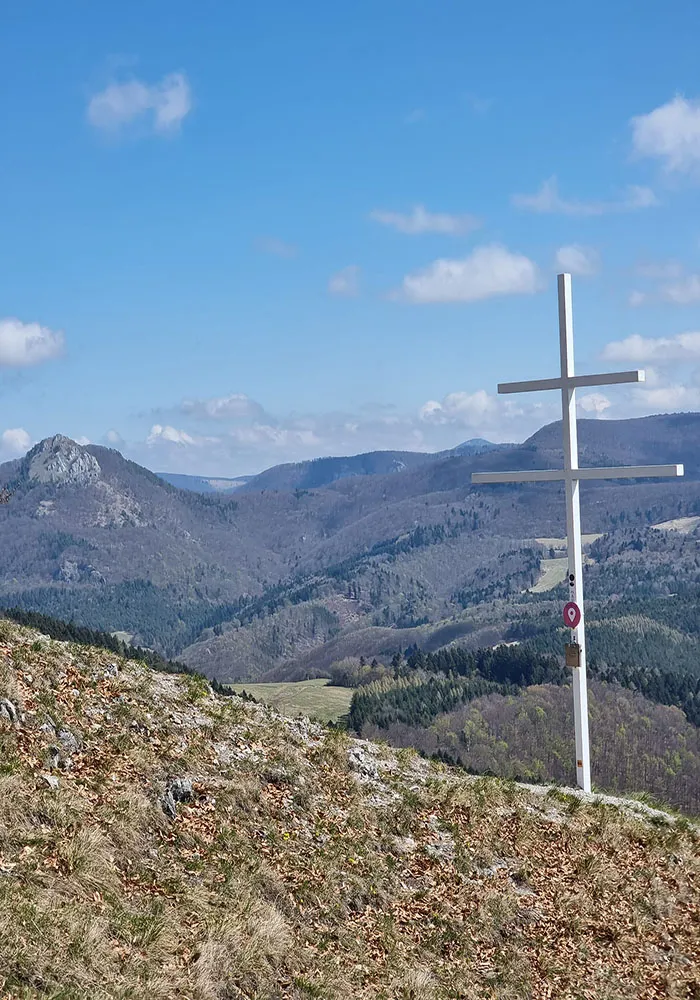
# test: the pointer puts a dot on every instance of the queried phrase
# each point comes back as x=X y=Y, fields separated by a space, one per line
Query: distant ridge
x=318 y=472
x=203 y=484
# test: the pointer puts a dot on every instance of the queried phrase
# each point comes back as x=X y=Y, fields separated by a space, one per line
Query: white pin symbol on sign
x=572 y=614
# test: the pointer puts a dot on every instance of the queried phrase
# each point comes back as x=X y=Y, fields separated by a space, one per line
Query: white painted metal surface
x=550 y=475
x=575 y=382
x=571 y=475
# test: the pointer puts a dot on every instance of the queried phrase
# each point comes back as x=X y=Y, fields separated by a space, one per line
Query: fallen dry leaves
x=285 y=876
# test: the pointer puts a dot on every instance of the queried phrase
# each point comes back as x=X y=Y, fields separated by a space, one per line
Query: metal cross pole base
x=571 y=475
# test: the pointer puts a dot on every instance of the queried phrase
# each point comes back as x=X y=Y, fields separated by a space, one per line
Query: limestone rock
x=181 y=789
x=8 y=711
x=59 y=460
x=69 y=740
x=178 y=790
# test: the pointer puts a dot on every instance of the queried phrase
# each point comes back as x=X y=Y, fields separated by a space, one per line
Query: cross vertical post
x=571 y=475
x=573 y=527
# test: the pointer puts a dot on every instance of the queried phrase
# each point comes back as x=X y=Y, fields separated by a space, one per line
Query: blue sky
x=243 y=234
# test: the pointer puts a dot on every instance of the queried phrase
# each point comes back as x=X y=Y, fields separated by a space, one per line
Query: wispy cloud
x=660 y=270
x=26 y=344
x=276 y=247
x=463 y=408
x=576 y=259
x=415 y=116
x=419 y=220
x=488 y=271
x=670 y=133
x=682 y=292
x=162 y=105
x=249 y=446
x=483 y=414
x=237 y=406
x=160 y=434
x=592 y=404
x=672 y=384
x=681 y=347
x=673 y=285
x=15 y=441
x=345 y=282
x=548 y=200
x=479 y=105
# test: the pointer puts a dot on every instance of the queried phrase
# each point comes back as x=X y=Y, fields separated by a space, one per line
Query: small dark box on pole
x=573 y=654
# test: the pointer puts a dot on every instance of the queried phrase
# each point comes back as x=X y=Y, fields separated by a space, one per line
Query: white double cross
x=568 y=382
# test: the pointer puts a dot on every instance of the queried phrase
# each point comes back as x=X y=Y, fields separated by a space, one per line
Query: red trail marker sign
x=572 y=614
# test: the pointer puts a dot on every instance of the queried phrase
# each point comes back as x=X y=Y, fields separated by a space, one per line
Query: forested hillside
x=636 y=745
x=509 y=711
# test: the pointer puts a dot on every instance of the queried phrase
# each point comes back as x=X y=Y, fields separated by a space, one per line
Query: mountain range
x=324 y=471
x=281 y=570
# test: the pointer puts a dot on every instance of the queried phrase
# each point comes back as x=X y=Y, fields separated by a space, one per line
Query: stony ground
x=157 y=841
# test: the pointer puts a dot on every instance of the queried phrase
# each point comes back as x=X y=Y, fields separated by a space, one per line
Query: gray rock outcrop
x=8 y=711
x=59 y=460
x=177 y=790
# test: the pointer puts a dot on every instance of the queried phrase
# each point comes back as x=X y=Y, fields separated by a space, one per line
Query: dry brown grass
x=294 y=872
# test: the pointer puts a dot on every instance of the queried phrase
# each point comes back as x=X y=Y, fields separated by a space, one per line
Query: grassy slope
x=315 y=698
x=306 y=864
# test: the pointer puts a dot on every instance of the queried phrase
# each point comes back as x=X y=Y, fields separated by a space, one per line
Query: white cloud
x=665 y=270
x=460 y=408
x=16 y=441
x=670 y=398
x=682 y=347
x=548 y=200
x=594 y=404
x=637 y=197
x=480 y=414
x=113 y=437
x=164 y=104
x=276 y=247
x=662 y=390
x=237 y=406
x=25 y=344
x=169 y=434
x=684 y=291
x=673 y=284
x=83 y=440
x=419 y=220
x=345 y=282
x=576 y=259
x=279 y=437
x=670 y=133
x=487 y=271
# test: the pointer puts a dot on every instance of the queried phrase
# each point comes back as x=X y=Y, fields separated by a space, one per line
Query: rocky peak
x=58 y=459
